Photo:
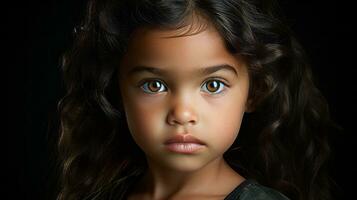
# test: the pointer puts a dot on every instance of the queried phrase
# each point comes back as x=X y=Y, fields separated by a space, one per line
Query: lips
x=184 y=144
x=184 y=139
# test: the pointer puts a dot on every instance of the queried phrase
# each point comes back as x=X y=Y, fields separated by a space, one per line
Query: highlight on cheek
x=155 y=86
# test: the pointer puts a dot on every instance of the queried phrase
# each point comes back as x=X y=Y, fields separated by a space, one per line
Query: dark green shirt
x=251 y=190
x=247 y=190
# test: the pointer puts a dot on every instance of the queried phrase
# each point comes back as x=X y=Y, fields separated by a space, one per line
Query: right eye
x=153 y=86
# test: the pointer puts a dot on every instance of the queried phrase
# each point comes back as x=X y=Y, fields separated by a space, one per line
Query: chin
x=184 y=163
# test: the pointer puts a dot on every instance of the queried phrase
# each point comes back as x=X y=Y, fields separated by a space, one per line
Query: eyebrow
x=203 y=71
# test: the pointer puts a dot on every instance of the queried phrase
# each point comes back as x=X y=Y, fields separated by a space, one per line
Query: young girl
x=190 y=99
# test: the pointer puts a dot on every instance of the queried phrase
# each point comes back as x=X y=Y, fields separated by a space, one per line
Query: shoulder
x=252 y=190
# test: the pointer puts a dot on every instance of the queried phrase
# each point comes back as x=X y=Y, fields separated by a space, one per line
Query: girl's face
x=188 y=85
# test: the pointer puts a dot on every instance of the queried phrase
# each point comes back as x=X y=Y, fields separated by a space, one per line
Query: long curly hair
x=283 y=142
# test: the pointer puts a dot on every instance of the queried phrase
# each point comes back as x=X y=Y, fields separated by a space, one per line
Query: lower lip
x=184 y=147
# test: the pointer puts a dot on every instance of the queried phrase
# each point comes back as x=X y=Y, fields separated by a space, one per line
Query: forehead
x=164 y=48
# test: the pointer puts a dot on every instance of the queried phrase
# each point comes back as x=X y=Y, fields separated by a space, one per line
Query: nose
x=182 y=112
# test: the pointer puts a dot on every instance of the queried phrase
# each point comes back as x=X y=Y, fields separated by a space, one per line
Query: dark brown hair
x=283 y=142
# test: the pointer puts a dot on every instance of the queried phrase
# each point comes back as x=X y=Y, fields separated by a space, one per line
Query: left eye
x=214 y=86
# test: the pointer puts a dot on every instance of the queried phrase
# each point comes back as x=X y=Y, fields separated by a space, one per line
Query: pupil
x=154 y=86
x=212 y=86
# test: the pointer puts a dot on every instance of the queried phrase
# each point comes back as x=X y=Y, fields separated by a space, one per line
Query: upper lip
x=183 y=139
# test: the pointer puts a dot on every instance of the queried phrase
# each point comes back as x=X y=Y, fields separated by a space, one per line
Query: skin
x=183 y=103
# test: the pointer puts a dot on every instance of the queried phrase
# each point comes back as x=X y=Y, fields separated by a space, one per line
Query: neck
x=160 y=182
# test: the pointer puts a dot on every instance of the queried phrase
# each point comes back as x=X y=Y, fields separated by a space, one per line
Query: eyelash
x=222 y=85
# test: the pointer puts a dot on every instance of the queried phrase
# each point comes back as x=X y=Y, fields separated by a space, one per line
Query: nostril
x=192 y=122
x=183 y=123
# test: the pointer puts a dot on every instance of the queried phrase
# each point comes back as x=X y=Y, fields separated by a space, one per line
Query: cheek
x=225 y=121
x=143 y=120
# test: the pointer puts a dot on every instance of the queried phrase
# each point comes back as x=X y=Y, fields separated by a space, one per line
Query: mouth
x=186 y=144
x=184 y=139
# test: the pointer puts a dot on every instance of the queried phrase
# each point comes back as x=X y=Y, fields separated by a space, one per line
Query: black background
x=43 y=30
